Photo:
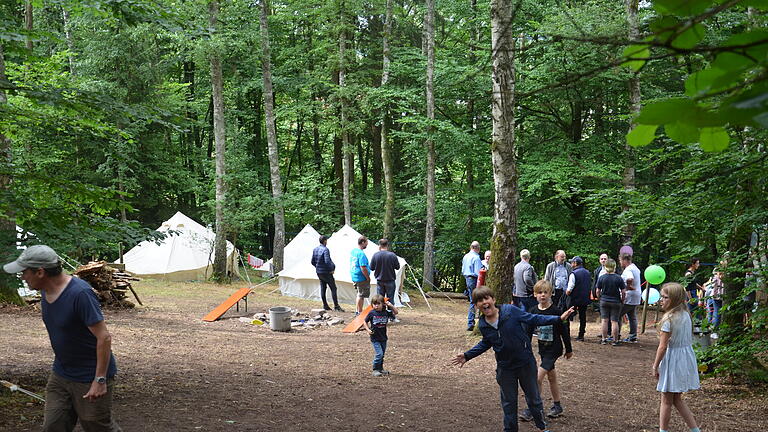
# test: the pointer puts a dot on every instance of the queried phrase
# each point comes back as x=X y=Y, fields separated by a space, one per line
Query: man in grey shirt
x=525 y=279
x=557 y=274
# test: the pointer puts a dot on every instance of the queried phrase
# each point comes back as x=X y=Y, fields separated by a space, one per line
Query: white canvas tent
x=300 y=279
x=187 y=255
x=297 y=249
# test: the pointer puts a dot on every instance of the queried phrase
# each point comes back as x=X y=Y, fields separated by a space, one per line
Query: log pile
x=111 y=286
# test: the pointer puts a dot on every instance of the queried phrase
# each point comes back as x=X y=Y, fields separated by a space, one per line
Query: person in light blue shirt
x=470 y=269
x=358 y=267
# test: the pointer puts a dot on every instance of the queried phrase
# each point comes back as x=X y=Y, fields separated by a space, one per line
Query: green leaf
x=682 y=7
x=714 y=139
x=731 y=61
x=690 y=37
x=641 y=135
x=636 y=56
x=666 y=111
x=684 y=133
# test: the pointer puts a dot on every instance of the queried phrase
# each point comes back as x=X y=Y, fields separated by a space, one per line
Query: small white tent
x=300 y=279
x=186 y=255
x=297 y=249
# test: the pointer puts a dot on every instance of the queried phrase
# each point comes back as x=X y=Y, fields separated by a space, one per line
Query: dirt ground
x=178 y=373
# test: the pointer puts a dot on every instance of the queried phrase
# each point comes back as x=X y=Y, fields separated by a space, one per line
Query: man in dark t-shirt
x=384 y=265
x=80 y=385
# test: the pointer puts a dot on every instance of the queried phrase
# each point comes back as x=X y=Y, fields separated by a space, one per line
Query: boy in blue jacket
x=501 y=328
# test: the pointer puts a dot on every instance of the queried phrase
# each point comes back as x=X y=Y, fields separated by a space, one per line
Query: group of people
x=543 y=306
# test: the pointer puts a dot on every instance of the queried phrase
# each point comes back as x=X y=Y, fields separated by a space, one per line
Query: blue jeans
x=508 y=380
x=471 y=284
x=379 y=348
x=714 y=307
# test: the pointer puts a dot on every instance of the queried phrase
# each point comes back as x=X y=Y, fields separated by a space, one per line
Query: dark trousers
x=386 y=289
x=508 y=380
x=326 y=280
x=582 y=319
x=524 y=303
x=558 y=299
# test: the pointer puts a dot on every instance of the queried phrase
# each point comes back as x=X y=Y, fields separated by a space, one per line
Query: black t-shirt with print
x=377 y=321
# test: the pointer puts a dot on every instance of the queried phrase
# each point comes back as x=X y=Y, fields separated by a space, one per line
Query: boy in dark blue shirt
x=502 y=330
x=376 y=326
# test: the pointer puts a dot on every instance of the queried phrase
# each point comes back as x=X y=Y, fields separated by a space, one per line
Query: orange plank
x=228 y=303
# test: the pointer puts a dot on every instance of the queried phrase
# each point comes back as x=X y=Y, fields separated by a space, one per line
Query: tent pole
x=245 y=269
x=421 y=290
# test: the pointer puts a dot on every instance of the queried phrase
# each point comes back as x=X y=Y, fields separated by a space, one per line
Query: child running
x=552 y=338
x=378 y=318
x=502 y=330
x=675 y=364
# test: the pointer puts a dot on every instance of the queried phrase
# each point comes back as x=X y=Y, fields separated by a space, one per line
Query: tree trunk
x=628 y=179
x=346 y=165
x=504 y=242
x=28 y=23
x=219 y=133
x=274 y=160
x=68 y=37
x=8 y=283
x=386 y=150
x=429 y=232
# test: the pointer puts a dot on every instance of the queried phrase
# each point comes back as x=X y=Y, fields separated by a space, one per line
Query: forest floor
x=178 y=373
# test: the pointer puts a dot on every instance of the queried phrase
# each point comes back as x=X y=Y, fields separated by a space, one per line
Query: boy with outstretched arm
x=376 y=325
x=501 y=328
x=552 y=339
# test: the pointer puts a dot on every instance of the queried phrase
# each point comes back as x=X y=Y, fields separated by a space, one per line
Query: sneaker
x=377 y=373
x=526 y=415
x=609 y=339
x=580 y=339
x=470 y=328
x=630 y=340
x=339 y=309
x=384 y=372
x=357 y=313
x=396 y=320
x=617 y=343
x=603 y=341
x=326 y=307
x=555 y=411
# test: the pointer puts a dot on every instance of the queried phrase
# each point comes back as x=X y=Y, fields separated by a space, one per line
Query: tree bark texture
x=503 y=156
x=429 y=232
x=386 y=150
x=68 y=37
x=346 y=165
x=274 y=160
x=219 y=135
x=28 y=22
x=8 y=252
x=628 y=179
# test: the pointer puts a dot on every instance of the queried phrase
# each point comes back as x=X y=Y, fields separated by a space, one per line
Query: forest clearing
x=178 y=373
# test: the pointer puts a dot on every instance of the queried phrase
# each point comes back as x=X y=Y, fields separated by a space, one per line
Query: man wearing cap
x=470 y=269
x=80 y=385
x=579 y=285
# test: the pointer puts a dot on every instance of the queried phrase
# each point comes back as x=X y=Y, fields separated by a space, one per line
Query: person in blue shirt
x=324 y=266
x=358 y=267
x=81 y=382
x=470 y=269
x=501 y=328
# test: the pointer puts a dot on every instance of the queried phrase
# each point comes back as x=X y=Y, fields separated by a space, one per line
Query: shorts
x=363 y=289
x=610 y=310
x=548 y=359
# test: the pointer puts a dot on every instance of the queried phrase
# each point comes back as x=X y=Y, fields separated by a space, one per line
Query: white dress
x=678 y=371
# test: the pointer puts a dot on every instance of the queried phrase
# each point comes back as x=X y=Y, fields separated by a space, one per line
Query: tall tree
x=386 y=157
x=505 y=176
x=429 y=233
x=346 y=148
x=8 y=284
x=628 y=179
x=219 y=134
x=274 y=160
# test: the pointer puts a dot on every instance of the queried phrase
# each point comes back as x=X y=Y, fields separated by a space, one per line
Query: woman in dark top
x=610 y=289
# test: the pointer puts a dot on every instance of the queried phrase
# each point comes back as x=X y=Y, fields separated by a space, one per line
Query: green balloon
x=655 y=274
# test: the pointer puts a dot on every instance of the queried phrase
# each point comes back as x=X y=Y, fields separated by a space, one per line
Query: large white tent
x=185 y=255
x=300 y=279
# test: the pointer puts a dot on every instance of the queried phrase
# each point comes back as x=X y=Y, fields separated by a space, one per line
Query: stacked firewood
x=110 y=285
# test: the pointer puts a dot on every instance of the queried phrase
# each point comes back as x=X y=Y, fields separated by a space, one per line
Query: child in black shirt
x=378 y=319
x=552 y=339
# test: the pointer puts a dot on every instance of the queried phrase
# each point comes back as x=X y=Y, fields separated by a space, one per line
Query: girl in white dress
x=675 y=364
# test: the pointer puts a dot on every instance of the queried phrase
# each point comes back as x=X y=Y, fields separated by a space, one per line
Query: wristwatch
x=100 y=379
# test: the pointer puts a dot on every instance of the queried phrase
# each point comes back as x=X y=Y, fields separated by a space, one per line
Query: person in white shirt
x=631 y=276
